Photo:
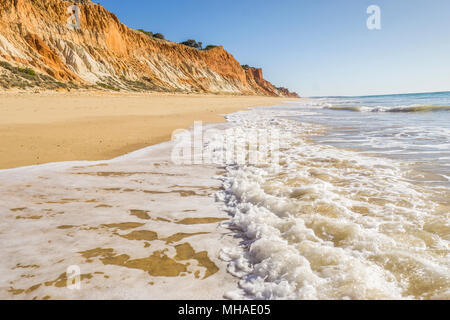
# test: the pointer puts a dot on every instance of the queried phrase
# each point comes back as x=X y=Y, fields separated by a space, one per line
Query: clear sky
x=316 y=47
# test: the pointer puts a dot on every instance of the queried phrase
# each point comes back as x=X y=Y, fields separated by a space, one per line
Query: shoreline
x=137 y=227
x=153 y=226
x=137 y=219
x=94 y=126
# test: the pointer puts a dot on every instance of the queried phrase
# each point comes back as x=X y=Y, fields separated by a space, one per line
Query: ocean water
x=357 y=207
x=413 y=127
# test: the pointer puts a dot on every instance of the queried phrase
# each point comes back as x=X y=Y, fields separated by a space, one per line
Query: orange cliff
x=37 y=49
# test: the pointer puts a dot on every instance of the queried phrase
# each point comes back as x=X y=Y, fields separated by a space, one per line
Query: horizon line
x=378 y=95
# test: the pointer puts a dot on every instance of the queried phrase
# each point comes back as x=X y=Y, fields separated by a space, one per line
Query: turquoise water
x=411 y=127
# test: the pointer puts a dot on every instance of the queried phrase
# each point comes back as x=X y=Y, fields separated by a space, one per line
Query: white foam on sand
x=122 y=222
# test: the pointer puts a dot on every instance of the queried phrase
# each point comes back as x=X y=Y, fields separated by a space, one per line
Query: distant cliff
x=37 y=49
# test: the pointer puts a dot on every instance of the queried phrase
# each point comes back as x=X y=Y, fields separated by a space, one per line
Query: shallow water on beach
x=339 y=217
x=135 y=227
x=412 y=127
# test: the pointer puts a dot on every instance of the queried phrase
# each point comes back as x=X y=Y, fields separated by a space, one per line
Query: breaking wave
x=328 y=223
x=406 y=109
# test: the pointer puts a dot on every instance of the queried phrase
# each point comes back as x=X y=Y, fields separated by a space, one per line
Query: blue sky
x=316 y=47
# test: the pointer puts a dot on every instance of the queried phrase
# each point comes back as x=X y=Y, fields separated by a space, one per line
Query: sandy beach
x=308 y=220
x=51 y=127
x=170 y=151
x=134 y=227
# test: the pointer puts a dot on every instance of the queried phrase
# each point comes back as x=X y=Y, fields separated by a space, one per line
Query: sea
x=357 y=205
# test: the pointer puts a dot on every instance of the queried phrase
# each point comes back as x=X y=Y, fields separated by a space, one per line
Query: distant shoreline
x=69 y=126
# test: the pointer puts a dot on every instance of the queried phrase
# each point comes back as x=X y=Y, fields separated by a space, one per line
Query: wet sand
x=52 y=127
x=136 y=227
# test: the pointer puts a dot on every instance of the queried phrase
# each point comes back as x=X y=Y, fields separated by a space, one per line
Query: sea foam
x=328 y=223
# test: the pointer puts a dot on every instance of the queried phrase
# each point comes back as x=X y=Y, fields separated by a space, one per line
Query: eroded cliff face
x=38 y=49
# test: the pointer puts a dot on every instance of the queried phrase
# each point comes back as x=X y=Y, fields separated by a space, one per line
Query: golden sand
x=138 y=243
x=51 y=127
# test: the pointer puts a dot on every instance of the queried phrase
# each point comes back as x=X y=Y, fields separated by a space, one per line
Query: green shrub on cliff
x=107 y=86
x=27 y=71
x=148 y=33
x=152 y=35
x=6 y=65
x=197 y=45
x=159 y=36
x=193 y=44
x=210 y=46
